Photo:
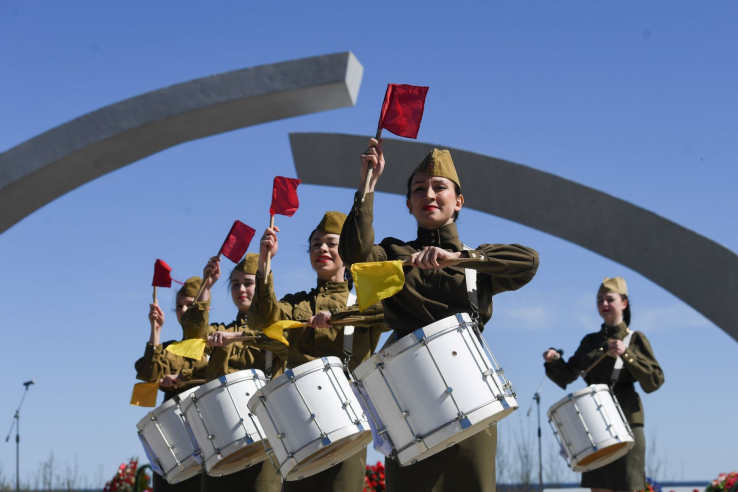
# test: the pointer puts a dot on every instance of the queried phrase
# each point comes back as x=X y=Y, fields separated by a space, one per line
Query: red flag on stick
x=402 y=109
x=284 y=196
x=162 y=275
x=237 y=241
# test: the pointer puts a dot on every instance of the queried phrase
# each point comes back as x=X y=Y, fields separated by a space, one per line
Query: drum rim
x=578 y=394
x=433 y=330
x=207 y=388
x=283 y=379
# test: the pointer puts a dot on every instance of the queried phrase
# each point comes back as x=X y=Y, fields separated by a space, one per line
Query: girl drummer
x=171 y=371
x=264 y=354
x=321 y=307
x=433 y=292
x=638 y=364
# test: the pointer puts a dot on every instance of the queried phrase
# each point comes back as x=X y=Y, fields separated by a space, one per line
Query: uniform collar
x=326 y=286
x=242 y=319
x=446 y=236
x=617 y=331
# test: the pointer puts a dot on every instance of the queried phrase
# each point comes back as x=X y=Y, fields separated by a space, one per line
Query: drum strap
x=268 y=363
x=348 y=331
x=619 y=361
x=471 y=283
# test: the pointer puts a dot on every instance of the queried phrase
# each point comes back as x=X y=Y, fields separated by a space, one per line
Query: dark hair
x=346 y=273
x=457 y=189
x=626 y=311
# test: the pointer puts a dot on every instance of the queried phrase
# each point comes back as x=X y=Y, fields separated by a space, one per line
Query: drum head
x=602 y=457
x=242 y=459
x=329 y=456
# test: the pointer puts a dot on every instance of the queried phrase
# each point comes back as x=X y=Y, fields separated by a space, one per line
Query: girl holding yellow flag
x=323 y=310
x=265 y=354
x=433 y=291
x=171 y=371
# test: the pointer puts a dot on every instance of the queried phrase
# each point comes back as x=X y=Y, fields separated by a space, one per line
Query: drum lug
x=210 y=437
x=404 y=414
x=280 y=435
x=487 y=373
x=449 y=390
x=220 y=456
x=325 y=440
x=346 y=403
x=464 y=421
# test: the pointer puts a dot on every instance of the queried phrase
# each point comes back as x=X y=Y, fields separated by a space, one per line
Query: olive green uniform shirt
x=238 y=356
x=639 y=364
x=158 y=362
x=307 y=344
x=431 y=295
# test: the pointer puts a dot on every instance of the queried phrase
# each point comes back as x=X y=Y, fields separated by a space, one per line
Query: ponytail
x=626 y=311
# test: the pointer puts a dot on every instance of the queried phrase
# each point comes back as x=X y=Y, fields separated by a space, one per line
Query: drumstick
x=191 y=382
x=600 y=359
x=370 y=171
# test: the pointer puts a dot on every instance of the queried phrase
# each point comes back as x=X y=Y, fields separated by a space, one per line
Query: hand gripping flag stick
x=402 y=112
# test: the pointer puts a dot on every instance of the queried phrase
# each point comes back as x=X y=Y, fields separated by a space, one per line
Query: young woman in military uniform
x=321 y=307
x=171 y=371
x=227 y=358
x=433 y=292
x=639 y=364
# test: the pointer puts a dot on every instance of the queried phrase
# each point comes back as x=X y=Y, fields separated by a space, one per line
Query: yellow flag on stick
x=193 y=348
x=144 y=394
x=375 y=281
x=275 y=331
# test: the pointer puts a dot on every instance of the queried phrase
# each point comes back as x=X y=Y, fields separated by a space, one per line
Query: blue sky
x=636 y=99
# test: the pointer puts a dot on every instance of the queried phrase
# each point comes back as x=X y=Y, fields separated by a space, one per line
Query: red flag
x=284 y=196
x=162 y=277
x=237 y=242
x=402 y=109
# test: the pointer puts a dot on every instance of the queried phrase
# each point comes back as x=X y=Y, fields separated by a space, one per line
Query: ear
x=459 y=203
x=625 y=303
x=409 y=207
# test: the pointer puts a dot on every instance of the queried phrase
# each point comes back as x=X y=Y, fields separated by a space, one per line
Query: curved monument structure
x=53 y=163
x=699 y=271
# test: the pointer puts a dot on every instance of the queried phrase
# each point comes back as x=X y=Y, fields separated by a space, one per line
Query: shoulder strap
x=619 y=361
x=268 y=363
x=348 y=331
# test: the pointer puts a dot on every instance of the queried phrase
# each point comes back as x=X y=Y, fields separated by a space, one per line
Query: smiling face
x=324 y=256
x=183 y=301
x=433 y=201
x=242 y=290
x=611 y=305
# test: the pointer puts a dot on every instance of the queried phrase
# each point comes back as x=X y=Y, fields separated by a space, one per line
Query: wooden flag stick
x=449 y=261
x=370 y=171
x=202 y=285
x=268 y=264
x=153 y=323
x=191 y=382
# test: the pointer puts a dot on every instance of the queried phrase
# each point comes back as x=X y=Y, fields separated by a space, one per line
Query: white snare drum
x=167 y=443
x=311 y=417
x=591 y=428
x=230 y=437
x=435 y=388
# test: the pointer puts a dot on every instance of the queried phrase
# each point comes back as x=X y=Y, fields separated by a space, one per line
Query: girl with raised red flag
x=171 y=371
x=433 y=292
x=326 y=304
x=264 y=354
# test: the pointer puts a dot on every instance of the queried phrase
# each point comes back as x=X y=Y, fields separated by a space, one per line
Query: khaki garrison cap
x=332 y=222
x=438 y=163
x=190 y=287
x=249 y=265
x=615 y=284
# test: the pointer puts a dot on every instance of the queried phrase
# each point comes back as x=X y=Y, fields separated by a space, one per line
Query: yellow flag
x=144 y=394
x=378 y=280
x=275 y=331
x=193 y=348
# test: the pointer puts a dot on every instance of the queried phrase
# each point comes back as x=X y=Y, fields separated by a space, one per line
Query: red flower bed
x=374 y=478
x=125 y=479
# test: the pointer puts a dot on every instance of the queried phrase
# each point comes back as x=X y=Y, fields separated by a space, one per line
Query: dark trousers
x=258 y=478
x=159 y=484
x=347 y=476
x=467 y=466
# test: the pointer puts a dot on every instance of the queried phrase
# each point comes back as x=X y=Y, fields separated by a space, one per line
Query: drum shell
x=163 y=427
x=280 y=408
x=404 y=377
x=596 y=408
x=228 y=435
